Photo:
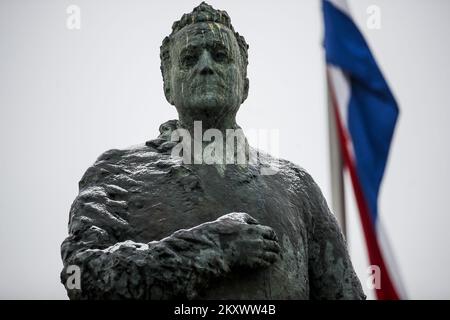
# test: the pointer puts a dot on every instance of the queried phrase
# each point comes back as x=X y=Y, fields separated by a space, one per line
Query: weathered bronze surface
x=148 y=225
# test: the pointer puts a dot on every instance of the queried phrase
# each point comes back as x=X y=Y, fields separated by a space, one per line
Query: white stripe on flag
x=389 y=258
x=341 y=5
x=342 y=92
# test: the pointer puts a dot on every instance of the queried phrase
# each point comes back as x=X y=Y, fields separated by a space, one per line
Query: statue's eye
x=220 y=56
x=189 y=60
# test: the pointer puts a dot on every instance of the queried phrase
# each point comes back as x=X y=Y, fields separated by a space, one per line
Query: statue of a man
x=148 y=224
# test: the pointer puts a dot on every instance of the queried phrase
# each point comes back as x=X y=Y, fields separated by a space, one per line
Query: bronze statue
x=150 y=225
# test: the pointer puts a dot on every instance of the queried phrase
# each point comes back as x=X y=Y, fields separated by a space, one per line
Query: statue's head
x=204 y=64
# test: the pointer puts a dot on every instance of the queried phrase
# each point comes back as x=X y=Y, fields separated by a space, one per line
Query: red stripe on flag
x=387 y=290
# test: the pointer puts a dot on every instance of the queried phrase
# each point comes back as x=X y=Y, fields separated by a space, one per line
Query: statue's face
x=206 y=73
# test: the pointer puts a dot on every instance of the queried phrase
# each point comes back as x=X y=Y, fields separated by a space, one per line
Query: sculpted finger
x=270 y=257
x=268 y=233
x=241 y=217
x=270 y=245
x=245 y=217
x=250 y=220
x=259 y=262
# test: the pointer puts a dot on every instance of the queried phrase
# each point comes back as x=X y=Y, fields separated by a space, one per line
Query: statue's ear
x=246 y=85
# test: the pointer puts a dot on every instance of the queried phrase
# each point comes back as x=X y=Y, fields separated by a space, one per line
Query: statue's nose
x=205 y=63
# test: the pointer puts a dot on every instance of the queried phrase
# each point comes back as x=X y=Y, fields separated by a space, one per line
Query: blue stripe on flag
x=373 y=111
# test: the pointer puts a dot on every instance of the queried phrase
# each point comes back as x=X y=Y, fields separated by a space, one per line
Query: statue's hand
x=243 y=241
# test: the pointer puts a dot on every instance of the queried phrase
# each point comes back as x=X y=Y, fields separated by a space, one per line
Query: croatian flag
x=365 y=112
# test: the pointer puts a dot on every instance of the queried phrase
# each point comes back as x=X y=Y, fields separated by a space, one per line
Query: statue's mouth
x=208 y=80
x=208 y=85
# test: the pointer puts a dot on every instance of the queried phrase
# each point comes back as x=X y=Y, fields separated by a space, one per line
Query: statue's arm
x=331 y=273
x=177 y=266
x=180 y=265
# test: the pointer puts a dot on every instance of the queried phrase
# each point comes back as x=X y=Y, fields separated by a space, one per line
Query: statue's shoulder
x=303 y=181
x=131 y=153
x=307 y=192
x=284 y=169
x=129 y=165
x=118 y=162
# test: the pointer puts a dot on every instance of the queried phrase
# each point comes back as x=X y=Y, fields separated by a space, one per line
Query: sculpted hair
x=202 y=13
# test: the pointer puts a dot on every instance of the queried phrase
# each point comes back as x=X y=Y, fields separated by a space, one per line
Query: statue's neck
x=204 y=122
x=230 y=139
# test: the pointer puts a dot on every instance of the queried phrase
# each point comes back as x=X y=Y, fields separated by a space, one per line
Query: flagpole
x=336 y=167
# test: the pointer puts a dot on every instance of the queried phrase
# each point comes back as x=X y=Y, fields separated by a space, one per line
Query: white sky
x=67 y=96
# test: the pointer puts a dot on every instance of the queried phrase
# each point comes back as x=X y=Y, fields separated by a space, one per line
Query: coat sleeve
x=331 y=274
x=112 y=266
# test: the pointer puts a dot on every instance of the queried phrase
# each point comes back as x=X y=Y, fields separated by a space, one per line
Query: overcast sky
x=66 y=96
